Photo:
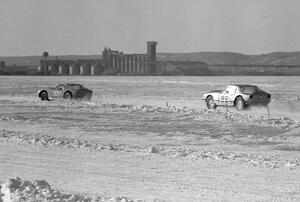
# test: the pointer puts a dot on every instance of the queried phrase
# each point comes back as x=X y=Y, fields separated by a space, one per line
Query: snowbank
x=18 y=190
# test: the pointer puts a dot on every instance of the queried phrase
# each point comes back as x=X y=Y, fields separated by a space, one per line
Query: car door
x=58 y=91
x=227 y=96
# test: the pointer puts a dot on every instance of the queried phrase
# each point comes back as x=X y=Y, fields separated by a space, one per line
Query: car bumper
x=255 y=102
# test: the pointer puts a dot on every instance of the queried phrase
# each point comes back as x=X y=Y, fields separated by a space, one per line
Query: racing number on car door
x=224 y=98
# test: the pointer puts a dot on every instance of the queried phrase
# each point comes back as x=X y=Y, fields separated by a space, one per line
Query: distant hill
x=275 y=58
x=208 y=57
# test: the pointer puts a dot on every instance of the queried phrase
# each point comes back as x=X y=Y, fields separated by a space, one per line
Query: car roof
x=242 y=85
x=67 y=84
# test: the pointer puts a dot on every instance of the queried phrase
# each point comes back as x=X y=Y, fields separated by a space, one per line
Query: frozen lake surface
x=159 y=91
x=152 y=138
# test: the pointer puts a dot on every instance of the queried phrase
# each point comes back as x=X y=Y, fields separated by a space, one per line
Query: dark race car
x=66 y=91
x=237 y=95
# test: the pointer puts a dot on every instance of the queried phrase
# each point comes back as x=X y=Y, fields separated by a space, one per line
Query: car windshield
x=75 y=86
x=248 y=89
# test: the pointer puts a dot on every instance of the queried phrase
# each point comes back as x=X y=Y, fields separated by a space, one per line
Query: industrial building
x=113 y=62
x=69 y=67
x=3 y=69
x=2 y=66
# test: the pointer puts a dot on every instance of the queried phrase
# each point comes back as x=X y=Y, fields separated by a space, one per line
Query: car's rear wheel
x=88 y=97
x=44 y=96
x=210 y=103
x=68 y=96
x=240 y=103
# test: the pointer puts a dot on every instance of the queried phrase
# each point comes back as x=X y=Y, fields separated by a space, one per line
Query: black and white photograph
x=149 y=101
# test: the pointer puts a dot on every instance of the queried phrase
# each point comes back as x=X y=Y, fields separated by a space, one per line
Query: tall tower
x=151 y=53
x=151 y=50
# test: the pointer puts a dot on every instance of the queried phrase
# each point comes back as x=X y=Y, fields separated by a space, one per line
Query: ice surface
x=158 y=118
x=159 y=91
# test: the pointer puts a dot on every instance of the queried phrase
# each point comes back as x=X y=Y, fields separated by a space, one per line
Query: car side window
x=59 y=88
x=226 y=91
x=230 y=90
x=233 y=91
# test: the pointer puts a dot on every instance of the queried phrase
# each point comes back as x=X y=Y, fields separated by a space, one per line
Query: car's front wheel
x=240 y=103
x=44 y=96
x=68 y=96
x=210 y=103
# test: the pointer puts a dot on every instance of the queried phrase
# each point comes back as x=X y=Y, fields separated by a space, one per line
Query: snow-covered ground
x=148 y=139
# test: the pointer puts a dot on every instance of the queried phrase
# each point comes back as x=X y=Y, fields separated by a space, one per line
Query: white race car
x=237 y=95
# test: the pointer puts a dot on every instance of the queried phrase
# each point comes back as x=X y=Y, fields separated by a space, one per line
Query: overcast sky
x=29 y=27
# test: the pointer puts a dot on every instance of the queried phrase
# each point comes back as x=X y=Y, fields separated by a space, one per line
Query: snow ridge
x=18 y=190
x=269 y=161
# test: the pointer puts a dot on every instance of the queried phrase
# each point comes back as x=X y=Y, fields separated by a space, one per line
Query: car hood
x=215 y=91
x=46 y=88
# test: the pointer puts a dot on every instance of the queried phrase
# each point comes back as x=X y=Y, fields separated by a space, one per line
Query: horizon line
x=94 y=54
